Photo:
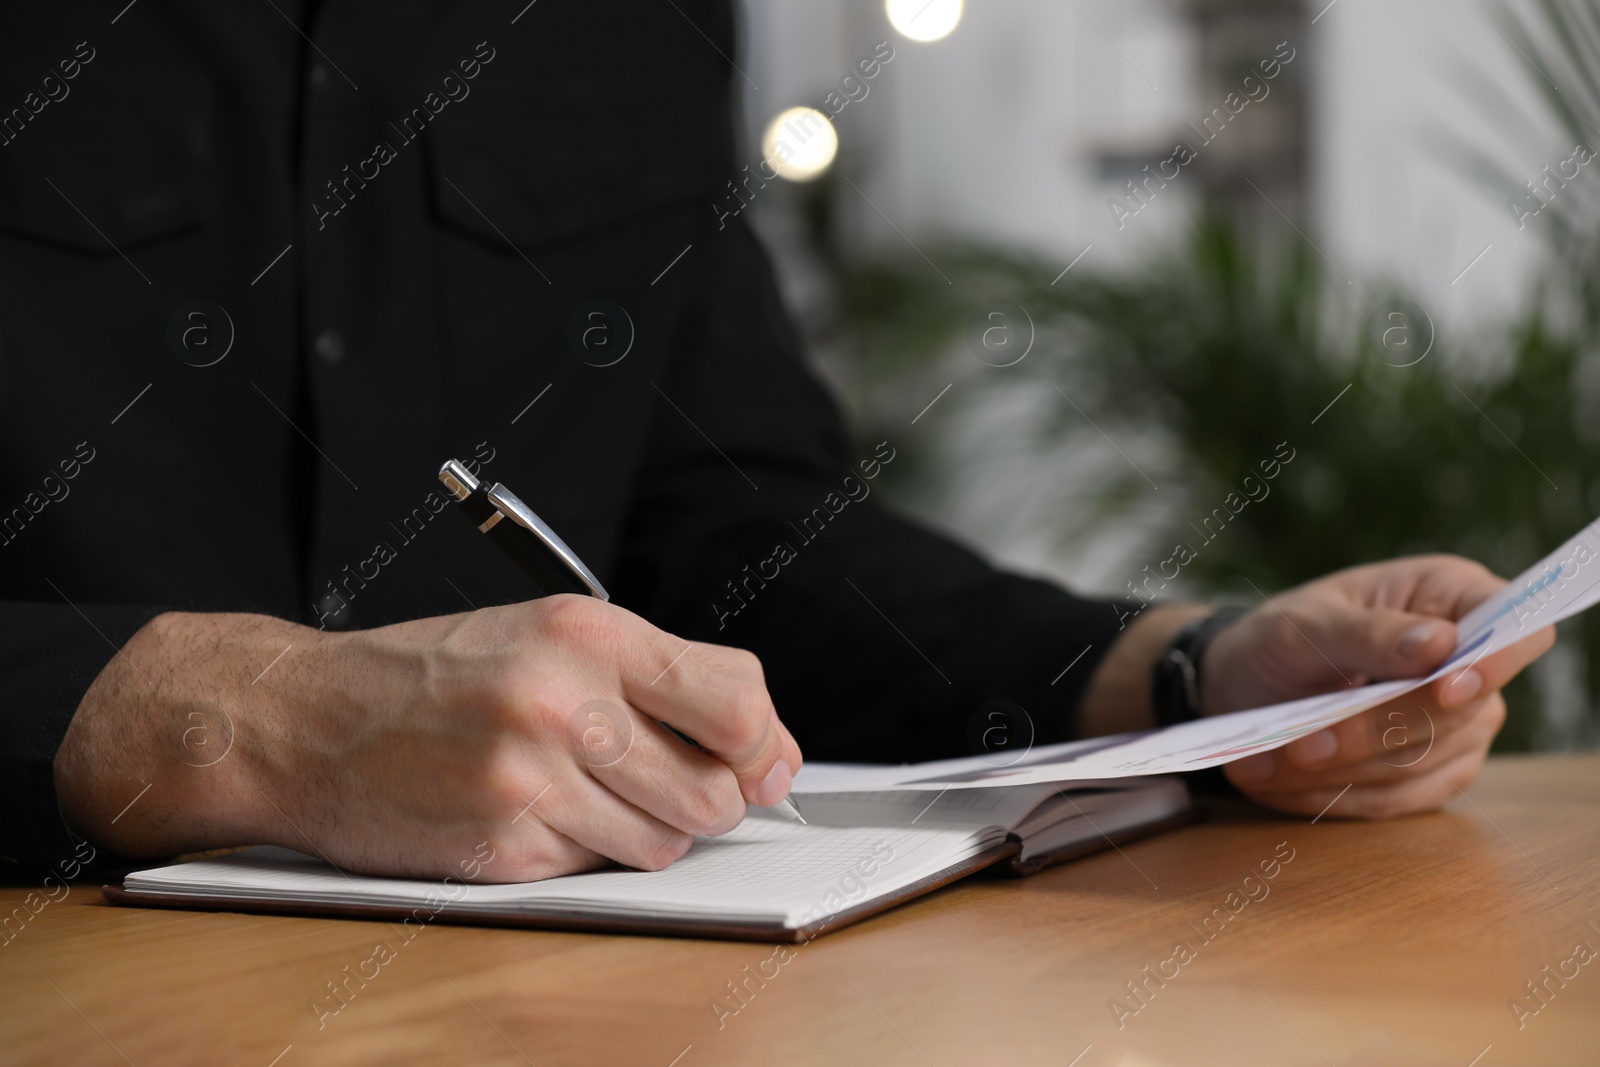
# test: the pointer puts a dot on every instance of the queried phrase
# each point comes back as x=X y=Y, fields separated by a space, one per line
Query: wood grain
x=1394 y=943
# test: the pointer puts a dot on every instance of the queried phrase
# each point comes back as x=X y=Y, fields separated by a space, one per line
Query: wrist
x=1179 y=675
x=171 y=748
x=1118 y=697
x=1225 y=666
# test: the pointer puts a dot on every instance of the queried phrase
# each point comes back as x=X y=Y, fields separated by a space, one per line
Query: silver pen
x=543 y=556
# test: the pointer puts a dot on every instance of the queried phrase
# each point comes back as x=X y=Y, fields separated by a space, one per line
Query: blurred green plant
x=1223 y=350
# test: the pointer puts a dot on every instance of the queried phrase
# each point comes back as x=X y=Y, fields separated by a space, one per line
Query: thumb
x=1386 y=643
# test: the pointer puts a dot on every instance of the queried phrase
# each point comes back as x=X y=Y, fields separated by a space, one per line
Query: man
x=266 y=267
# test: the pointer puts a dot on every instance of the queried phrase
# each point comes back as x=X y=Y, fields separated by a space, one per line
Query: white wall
x=1390 y=75
x=989 y=133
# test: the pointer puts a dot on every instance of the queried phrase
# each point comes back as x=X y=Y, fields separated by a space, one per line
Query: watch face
x=1176 y=686
x=1173 y=689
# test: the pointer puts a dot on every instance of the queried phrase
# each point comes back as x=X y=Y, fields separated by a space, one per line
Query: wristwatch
x=1175 y=679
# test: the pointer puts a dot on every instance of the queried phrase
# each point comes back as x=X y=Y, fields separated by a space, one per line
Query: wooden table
x=1404 y=942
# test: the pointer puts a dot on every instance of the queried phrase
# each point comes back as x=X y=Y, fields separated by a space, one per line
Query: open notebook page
x=766 y=870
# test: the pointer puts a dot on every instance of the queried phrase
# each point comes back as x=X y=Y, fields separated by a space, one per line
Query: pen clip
x=508 y=504
x=499 y=503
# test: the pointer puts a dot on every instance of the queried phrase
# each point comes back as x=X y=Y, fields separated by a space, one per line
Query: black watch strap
x=1175 y=680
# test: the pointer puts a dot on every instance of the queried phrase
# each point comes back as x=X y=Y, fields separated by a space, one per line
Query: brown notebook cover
x=1017 y=867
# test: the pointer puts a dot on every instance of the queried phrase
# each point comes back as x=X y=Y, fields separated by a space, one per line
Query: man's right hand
x=399 y=750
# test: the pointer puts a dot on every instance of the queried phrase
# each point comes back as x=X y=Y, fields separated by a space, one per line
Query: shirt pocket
x=98 y=177
x=534 y=173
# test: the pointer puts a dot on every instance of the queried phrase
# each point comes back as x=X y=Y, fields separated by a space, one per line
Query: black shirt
x=264 y=267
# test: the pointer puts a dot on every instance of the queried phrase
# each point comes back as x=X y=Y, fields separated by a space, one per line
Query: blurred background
x=1095 y=265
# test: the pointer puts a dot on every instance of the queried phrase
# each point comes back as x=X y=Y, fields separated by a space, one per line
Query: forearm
x=1118 y=697
x=167 y=750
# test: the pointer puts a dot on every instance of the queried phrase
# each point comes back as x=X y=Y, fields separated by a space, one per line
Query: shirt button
x=333 y=613
x=330 y=346
x=319 y=74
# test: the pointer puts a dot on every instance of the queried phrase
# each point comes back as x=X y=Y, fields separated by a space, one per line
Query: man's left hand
x=1372 y=623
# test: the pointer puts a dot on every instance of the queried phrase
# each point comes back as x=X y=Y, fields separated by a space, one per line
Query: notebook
x=770 y=879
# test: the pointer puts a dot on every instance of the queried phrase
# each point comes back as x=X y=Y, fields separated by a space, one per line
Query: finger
x=1381 y=800
x=1490 y=673
x=591 y=815
x=791 y=749
x=788 y=747
x=1450 y=586
x=1377 y=732
x=1380 y=642
x=683 y=787
x=718 y=696
x=1389 y=749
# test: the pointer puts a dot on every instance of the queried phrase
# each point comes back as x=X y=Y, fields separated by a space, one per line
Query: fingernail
x=1255 y=768
x=1415 y=638
x=775 y=786
x=1463 y=687
x=1316 y=747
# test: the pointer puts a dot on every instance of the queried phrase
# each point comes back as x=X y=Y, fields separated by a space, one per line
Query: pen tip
x=788 y=806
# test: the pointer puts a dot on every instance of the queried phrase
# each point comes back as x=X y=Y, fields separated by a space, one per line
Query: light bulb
x=923 y=20
x=800 y=144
